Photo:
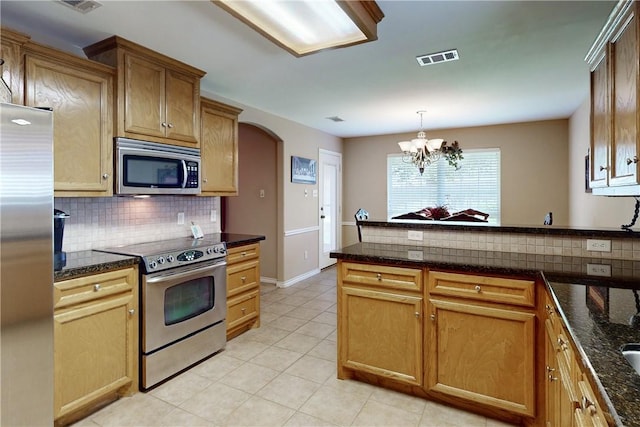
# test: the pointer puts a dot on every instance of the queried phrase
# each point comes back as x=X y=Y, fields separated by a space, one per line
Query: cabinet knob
x=586 y=404
x=379 y=276
x=604 y=168
x=562 y=343
x=164 y=124
x=204 y=179
x=243 y=278
x=634 y=160
x=96 y=287
x=548 y=308
x=243 y=310
x=550 y=369
x=417 y=314
x=478 y=288
x=552 y=378
x=132 y=311
x=105 y=176
x=170 y=125
x=433 y=317
x=243 y=254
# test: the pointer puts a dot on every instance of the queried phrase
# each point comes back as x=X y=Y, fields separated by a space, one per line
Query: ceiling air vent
x=438 y=57
x=335 y=119
x=82 y=6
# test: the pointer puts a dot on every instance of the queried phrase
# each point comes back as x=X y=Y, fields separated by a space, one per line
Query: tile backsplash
x=100 y=222
x=621 y=248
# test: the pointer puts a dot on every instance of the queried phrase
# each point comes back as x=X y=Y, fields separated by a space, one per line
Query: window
x=476 y=185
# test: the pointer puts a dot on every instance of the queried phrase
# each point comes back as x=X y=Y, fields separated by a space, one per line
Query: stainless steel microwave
x=144 y=167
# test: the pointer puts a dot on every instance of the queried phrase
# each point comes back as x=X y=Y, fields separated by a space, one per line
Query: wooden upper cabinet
x=11 y=43
x=158 y=98
x=219 y=148
x=615 y=118
x=80 y=94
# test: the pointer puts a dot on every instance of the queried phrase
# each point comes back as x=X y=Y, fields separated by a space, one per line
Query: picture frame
x=303 y=170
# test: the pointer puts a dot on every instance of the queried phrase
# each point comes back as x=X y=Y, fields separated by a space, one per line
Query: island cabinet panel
x=482 y=354
x=79 y=92
x=95 y=342
x=382 y=334
x=243 y=289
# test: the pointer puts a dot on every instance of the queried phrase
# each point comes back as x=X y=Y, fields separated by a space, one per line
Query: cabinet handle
x=586 y=404
x=132 y=311
x=170 y=125
x=417 y=315
x=164 y=124
x=478 y=288
x=433 y=317
x=96 y=287
x=105 y=176
x=562 y=343
x=243 y=278
x=634 y=160
x=549 y=309
x=379 y=276
x=604 y=168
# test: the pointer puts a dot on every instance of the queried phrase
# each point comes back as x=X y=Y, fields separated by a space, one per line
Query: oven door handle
x=177 y=276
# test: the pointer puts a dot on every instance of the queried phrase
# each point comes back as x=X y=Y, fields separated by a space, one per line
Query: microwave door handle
x=184 y=174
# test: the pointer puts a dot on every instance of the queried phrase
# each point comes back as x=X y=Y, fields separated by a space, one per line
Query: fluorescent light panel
x=301 y=26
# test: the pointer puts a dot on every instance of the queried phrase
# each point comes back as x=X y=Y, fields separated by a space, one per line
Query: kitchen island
x=596 y=333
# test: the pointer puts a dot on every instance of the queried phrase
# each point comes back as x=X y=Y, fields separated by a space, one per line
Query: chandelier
x=422 y=151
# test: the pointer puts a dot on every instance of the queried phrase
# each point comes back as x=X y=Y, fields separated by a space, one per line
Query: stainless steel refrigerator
x=26 y=266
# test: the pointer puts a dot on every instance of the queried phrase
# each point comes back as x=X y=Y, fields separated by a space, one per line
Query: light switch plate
x=415 y=255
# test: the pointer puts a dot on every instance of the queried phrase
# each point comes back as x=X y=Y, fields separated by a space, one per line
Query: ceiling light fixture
x=303 y=27
x=422 y=151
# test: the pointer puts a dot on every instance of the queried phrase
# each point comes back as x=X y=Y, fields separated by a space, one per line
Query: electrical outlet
x=414 y=235
x=415 y=255
x=599 y=245
x=214 y=215
x=180 y=218
x=602 y=270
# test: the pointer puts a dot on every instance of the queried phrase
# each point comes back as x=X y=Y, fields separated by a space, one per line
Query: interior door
x=330 y=203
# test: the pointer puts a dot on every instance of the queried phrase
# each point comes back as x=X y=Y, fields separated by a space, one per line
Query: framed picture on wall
x=303 y=171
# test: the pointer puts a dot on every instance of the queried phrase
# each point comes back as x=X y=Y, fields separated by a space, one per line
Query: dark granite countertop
x=598 y=335
x=552 y=230
x=69 y=265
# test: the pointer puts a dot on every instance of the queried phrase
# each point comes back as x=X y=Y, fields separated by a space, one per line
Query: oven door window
x=188 y=299
x=147 y=171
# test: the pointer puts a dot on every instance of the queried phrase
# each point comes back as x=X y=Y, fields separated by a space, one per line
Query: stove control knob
x=152 y=265
x=170 y=258
x=210 y=251
x=161 y=260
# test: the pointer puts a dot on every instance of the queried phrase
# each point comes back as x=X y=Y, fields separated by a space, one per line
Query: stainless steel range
x=182 y=304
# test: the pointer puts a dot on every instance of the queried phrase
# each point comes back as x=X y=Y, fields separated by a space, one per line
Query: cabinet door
x=182 y=107
x=552 y=383
x=94 y=353
x=381 y=333
x=81 y=103
x=144 y=97
x=12 y=67
x=624 y=57
x=600 y=126
x=482 y=354
x=219 y=147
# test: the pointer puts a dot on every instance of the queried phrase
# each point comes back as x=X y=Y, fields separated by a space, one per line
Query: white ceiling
x=519 y=61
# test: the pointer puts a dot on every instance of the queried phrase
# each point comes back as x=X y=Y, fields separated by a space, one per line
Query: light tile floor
x=281 y=374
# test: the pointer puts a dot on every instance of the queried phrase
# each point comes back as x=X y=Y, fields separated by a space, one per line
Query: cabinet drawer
x=242 y=277
x=482 y=288
x=242 y=253
x=89 y=288
x=400 y=278
x=589 y=406
x=242 y=309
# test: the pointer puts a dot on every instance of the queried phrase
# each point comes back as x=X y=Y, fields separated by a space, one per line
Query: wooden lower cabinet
x=95 y=342
x=482 y=354
x=243 y=289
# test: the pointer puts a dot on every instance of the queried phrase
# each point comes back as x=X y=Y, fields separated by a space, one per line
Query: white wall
x=585 y=209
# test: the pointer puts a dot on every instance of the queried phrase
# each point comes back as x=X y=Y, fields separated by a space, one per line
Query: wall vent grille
x=82 y=6
x=438 y=57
